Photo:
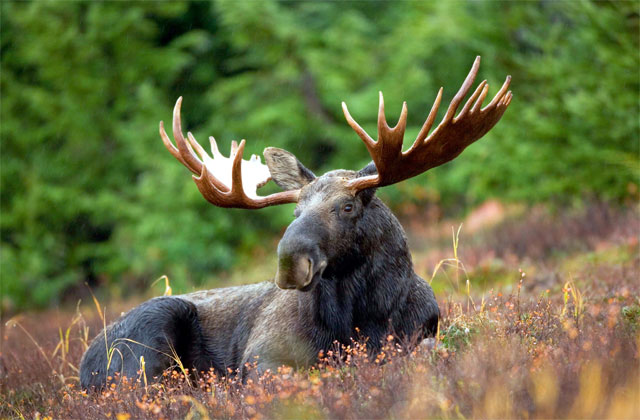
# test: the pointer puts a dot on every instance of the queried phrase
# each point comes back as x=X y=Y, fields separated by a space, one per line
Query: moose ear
x=370 y=169
x=286 y=170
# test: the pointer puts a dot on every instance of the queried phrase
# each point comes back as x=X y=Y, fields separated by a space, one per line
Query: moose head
x=334 y=208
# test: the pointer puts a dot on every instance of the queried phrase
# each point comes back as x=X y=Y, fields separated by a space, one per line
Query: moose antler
x=447 y=141
x=225 y=182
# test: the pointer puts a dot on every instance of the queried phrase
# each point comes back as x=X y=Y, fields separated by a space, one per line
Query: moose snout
x=298 y=271
x=294 y=271
x=300 y=259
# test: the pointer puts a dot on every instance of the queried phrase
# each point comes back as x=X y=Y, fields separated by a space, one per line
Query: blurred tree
x=89 y=193
x=80 y=82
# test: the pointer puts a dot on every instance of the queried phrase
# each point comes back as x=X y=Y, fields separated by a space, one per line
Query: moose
x=344 y=267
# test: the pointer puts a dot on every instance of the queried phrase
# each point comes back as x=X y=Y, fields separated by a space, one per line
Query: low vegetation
x=559 y=337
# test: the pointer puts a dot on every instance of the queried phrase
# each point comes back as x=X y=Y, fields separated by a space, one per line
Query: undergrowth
x=568 y=350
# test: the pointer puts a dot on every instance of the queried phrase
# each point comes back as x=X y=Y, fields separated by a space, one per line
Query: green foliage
x=90 y=194
x=631 y=315
x=457 y=336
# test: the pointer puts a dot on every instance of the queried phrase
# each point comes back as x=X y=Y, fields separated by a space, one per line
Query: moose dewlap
x=343 y=263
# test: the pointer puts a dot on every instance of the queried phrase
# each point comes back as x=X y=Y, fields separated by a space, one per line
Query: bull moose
x=344 y=267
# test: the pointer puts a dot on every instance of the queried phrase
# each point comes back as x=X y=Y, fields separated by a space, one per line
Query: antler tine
x=382 y=119
x=192 y=162
x=390 y=139
x=236 y=172
x=170 y=147
x=508 y=100
x=462 y=92
x=482 y=87
x=368 y=141
x=214 y=147
x=389 y=142
x=424 y=131
x=195 y=145
x=480 y=100
x=499 y=95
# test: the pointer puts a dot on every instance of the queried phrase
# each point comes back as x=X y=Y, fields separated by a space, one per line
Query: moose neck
x=362 y=287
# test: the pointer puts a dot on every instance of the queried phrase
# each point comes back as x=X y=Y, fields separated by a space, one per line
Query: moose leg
x=159 y=330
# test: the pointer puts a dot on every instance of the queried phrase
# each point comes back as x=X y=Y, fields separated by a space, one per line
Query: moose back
x=343 y=263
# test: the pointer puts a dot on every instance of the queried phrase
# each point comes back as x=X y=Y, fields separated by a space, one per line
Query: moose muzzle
x=300 y=261
x=294 y=272
x=298 y=272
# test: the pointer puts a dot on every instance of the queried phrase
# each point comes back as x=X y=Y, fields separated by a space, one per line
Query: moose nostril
x=309 y=274
x=321 y=267
x=304 y=268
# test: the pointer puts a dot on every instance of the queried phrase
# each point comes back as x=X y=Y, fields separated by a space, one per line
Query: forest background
x=90 y=195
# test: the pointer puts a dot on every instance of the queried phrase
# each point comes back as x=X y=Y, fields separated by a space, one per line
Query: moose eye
x=347 y=208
